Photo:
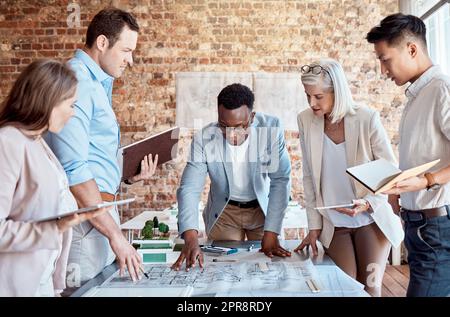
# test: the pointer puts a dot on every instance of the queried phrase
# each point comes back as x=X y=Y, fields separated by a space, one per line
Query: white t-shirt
x=241 y=188
x=68 y=203
x=336 y=187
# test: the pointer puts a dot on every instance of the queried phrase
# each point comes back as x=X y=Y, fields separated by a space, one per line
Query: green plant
x=163 y=228
x=147 y=231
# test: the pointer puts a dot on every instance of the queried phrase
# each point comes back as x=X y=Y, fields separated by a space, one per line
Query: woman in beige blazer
x=33 y=254
x=336 y=134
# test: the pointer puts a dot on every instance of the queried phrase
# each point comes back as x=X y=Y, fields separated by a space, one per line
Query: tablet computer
x=90 y=208
x=336 y=206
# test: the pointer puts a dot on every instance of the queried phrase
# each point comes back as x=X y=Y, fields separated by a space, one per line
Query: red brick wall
x=200 y=35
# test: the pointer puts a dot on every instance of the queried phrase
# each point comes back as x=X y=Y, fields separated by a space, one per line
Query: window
x=438 y=36
x=418 y=7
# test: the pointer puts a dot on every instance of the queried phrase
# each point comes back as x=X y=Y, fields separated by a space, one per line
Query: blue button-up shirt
x=87 y=146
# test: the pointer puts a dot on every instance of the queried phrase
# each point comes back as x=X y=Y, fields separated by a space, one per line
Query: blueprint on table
x=266 y=278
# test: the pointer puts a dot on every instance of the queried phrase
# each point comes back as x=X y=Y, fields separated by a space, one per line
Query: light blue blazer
x=270 y=169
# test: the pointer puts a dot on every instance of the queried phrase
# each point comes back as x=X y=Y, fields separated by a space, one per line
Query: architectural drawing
x=224 y=277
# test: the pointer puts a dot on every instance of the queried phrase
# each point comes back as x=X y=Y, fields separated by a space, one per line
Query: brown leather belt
x=107 y=197
x=417 y=215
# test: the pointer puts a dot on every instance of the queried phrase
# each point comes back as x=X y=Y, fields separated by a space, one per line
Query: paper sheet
x=282 y=278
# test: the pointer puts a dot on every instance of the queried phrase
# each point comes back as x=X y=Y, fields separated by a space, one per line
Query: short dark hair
x=110 y=23
x=236 y=95
x=396 y=27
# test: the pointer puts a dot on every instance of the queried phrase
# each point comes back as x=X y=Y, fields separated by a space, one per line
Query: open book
x=381 y=175
x=164 y=144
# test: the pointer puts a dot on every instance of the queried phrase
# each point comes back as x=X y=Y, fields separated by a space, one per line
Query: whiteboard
x=197 y=92
x=278 y=94
x=281 y=95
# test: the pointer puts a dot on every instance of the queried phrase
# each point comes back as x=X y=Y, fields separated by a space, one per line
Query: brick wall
x=201 y=35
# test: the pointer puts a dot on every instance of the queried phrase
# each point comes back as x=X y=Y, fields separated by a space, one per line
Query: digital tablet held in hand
x=335 y=206
x=90 y=208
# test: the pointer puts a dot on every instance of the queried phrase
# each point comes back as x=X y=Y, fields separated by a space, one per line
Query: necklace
x=333 y=126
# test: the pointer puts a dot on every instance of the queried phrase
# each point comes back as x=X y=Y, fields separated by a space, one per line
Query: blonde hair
x=333 y=80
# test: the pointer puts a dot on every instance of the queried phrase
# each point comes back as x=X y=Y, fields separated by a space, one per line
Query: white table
x=168 y=216
x=322 y=262
x=294 y=219
x=138 y=222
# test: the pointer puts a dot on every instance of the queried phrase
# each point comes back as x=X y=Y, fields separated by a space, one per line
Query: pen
x=313 y=286
x=145 y=273
x=231 y=251
x=224 y=260
x=187 y=292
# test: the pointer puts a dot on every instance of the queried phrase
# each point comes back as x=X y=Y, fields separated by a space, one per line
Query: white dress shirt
x=425 y=135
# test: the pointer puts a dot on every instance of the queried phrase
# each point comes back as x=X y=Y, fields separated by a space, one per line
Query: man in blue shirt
x=88 y=145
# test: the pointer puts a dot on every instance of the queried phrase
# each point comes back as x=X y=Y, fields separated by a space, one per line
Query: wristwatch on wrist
x=431 y=182
x=369 y=207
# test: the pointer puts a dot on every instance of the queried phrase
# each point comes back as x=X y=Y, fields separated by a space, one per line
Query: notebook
x=381 y=175
x=164 y=144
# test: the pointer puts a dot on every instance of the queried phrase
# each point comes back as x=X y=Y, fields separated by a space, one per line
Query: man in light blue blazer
x=245 y=156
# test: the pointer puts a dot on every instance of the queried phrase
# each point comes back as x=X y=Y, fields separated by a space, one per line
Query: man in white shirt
x=245 y=156
x=400 y=44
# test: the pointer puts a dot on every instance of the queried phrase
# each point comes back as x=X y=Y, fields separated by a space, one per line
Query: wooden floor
x=395 y=281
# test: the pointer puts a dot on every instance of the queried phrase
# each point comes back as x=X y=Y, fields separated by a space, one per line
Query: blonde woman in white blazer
x=336 y=134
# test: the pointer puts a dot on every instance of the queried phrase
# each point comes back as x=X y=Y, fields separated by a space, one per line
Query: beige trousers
x=238 y=223
x=361 y=253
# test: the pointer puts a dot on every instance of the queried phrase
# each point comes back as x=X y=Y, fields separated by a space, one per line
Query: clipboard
x=164 y=144
x=90 y=208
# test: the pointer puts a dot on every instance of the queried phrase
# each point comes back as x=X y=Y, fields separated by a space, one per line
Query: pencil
x=145 y=273
x=224 y=260
x=313 y=286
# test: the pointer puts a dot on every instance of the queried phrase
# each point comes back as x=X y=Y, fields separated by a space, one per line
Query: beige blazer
x=29 y=191
x=365 y=140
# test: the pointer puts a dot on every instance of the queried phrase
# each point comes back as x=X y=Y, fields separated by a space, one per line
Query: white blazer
x=365 y=141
